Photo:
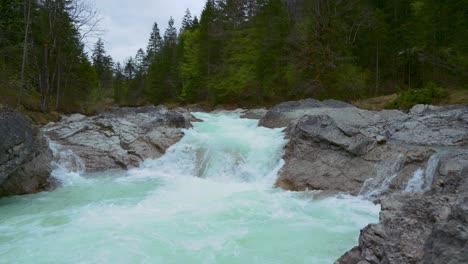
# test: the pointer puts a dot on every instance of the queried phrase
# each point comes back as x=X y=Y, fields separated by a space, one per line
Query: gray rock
x=444 y=127
x=283 y=114
x=24 y=156
x=321 y=155
x=420 y=108
x=254 y=113
x=335 y=147
x=121 y=138
x=421 y=228
x=425 y=125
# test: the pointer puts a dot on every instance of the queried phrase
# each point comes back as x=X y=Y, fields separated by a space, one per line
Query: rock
x=420 y=108
x=254 y=113
x=448 y=241
x=24 y=156
x=443 y=127
x=336 y=104
x=283 y=114
x=425 y=125
x=421 y=228
x=321 y=155
x=334 y=147
x=121 y=138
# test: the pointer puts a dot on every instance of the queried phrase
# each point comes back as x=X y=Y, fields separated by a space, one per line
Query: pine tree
x=103 y=65
x=195 y=23
x=140 y=66
x=187 y=21
x=119 y=84
x=129 y=69
x=170 y=36
x=154 y=45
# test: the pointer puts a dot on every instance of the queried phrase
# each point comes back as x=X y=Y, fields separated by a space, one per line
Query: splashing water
x=422 y=179
x=386 y=172
x=210 y=199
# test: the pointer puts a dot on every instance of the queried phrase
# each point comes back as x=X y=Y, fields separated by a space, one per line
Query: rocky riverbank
x=117 y=139
x=121 y=138
x=415 y=164
x=25 y=156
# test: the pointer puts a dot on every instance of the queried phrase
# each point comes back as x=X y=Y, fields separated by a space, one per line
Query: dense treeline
x=42 y=60
x=244 y=52
x=264 y=51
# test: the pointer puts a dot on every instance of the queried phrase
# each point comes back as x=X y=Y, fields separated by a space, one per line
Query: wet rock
x=335 y=147
x=24 y=156
x=321 y=155
x=121 y=138
x=254 y=113
x=421 y=228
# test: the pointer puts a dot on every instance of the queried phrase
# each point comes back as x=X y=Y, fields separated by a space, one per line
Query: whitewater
x=209 y=199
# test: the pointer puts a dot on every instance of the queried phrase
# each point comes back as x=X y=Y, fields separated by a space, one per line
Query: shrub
x=428 y=94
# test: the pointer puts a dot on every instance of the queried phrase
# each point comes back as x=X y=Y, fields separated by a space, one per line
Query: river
x=209 y=199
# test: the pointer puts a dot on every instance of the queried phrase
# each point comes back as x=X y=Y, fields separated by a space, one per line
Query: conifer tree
x=103 y=65
x=187 y=21
x=155 y=44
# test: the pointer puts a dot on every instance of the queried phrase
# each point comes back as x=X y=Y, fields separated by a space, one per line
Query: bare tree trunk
x=377 y=71
x=27 y=9
x=409 y=74
x=57 y=97
x=45 y=86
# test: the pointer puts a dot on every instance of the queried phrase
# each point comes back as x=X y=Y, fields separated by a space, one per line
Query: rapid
x=209 y=199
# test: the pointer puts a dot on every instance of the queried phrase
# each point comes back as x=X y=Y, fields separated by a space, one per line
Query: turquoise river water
x=210 y=199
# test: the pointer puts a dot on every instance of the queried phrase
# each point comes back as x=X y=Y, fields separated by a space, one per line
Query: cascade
x=422 y=179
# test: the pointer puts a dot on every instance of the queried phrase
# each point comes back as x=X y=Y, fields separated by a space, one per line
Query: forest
x=236 y=52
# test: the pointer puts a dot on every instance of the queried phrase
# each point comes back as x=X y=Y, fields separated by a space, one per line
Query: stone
x=25 y=156
x=421 y=228
x=254 y=113
x=121 y=138
x=335 y=147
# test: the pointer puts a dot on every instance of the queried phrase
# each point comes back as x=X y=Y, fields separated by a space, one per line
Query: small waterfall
x=422 y=179
x=378 y=185
x=209 y=199
x=223 y=148
x=67 y=167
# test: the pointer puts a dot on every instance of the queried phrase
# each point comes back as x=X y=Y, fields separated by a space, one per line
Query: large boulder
x=325 y=155
x=254 y=113
x=427 y=227
x=336 y=147
x=414 y=164
x=283 y=114
x=441 y=126
x=25 y=156
x=121 y=138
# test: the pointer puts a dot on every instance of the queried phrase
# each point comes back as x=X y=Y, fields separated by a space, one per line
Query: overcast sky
x=127 y=23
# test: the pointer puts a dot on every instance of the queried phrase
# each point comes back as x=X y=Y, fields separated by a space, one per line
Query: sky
x=127 y=24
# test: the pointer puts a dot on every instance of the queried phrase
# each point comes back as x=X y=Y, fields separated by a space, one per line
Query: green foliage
x=348 y=82
x=57 y=73
x=429 y=94
x=243 y=52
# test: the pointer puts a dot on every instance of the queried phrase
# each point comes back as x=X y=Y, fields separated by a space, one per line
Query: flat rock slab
x=121 y=138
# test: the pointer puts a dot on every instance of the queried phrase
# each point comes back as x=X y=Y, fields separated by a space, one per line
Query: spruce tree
x=187 y=21
x=140 y=66
x=170 y=36
x=155 y=44
x=103 y=65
